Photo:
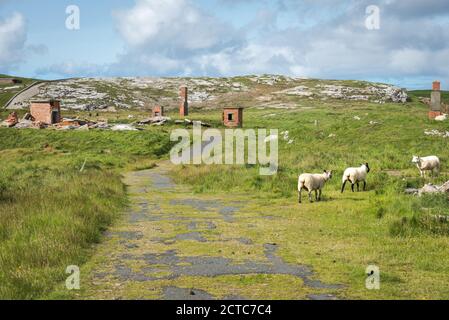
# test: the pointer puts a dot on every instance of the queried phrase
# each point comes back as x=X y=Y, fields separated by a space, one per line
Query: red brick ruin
x=158 y=111
x=47 y=112
x=12 y=119
x=435 y=100
x=233 y=117
x=184 y=104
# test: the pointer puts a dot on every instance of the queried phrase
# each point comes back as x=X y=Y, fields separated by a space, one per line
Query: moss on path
x=173 y=244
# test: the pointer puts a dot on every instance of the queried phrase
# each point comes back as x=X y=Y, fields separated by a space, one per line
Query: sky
x=403 y=42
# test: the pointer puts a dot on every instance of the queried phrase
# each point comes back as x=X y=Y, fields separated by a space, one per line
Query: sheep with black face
x=355 y=176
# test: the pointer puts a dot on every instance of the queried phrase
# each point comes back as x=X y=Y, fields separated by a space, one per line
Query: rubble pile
x=28 y=122
x=437 y=133
x=11 y=121
x=429 y=189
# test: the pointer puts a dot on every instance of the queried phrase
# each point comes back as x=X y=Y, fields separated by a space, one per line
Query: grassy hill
x=7 y=91
x=271 y=91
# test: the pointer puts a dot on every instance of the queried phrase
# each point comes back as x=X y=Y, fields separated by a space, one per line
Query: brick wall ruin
x=47 y=112
x=158 y=111
x=233 y=117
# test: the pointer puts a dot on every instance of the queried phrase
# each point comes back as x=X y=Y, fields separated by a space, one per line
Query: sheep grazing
x=355 y=176
x=313 y=182
x=423 y=164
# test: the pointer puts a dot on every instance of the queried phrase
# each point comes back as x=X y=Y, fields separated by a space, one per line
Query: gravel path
x=22 y=98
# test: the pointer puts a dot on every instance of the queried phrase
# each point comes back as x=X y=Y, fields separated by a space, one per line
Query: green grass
x=50 y=212
x=347 y=232
x=416 y=94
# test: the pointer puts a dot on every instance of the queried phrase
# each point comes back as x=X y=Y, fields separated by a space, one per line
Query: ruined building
x=47 y=112
x=435 y=100
x=233 y=117
x=158 y=111
x=184 y=104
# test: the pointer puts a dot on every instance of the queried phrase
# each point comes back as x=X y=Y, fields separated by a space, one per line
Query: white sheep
x=431 y=163
x=355 y=176
x=313 y=182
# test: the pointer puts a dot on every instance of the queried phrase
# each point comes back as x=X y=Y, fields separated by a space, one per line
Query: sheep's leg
x=364 y=185
x=343 y=186
x=299 y=195
x=316 y=195
x=352 y=187
x=310 y=196
x=358 y=188
x=319 y=195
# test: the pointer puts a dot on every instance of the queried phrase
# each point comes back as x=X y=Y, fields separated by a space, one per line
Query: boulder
x=445 y=187
x=24 y=124
x=123 y=127
x=428 y=188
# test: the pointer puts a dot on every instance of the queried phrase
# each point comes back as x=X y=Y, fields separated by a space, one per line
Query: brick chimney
x=184 y=104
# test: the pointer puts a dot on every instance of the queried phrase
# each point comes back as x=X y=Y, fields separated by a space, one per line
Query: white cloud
x=312 y=38
x=170 y=24
x=12 y=41
x=409 y=61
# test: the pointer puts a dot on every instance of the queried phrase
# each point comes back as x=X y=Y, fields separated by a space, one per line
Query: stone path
x=174 y=244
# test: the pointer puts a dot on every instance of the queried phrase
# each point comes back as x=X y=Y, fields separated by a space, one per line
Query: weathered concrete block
x=435 y=101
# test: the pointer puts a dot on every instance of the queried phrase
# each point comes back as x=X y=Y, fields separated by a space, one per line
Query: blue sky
x=302 y=38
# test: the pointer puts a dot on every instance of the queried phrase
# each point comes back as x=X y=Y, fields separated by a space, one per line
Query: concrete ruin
x=435 y=100
x=157 y=111
x=47 y=111
x=184 y=104
x=233 y=117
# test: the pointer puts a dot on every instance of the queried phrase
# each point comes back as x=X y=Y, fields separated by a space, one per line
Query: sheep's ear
x=325 y=171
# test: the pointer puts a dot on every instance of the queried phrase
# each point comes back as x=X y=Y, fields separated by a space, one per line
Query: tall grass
x=327 y=137
x=50 y=212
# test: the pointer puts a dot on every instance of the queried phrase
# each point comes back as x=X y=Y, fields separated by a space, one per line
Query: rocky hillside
x=249 y=91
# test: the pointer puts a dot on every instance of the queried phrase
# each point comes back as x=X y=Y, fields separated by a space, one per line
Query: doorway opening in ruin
x=54 y=117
